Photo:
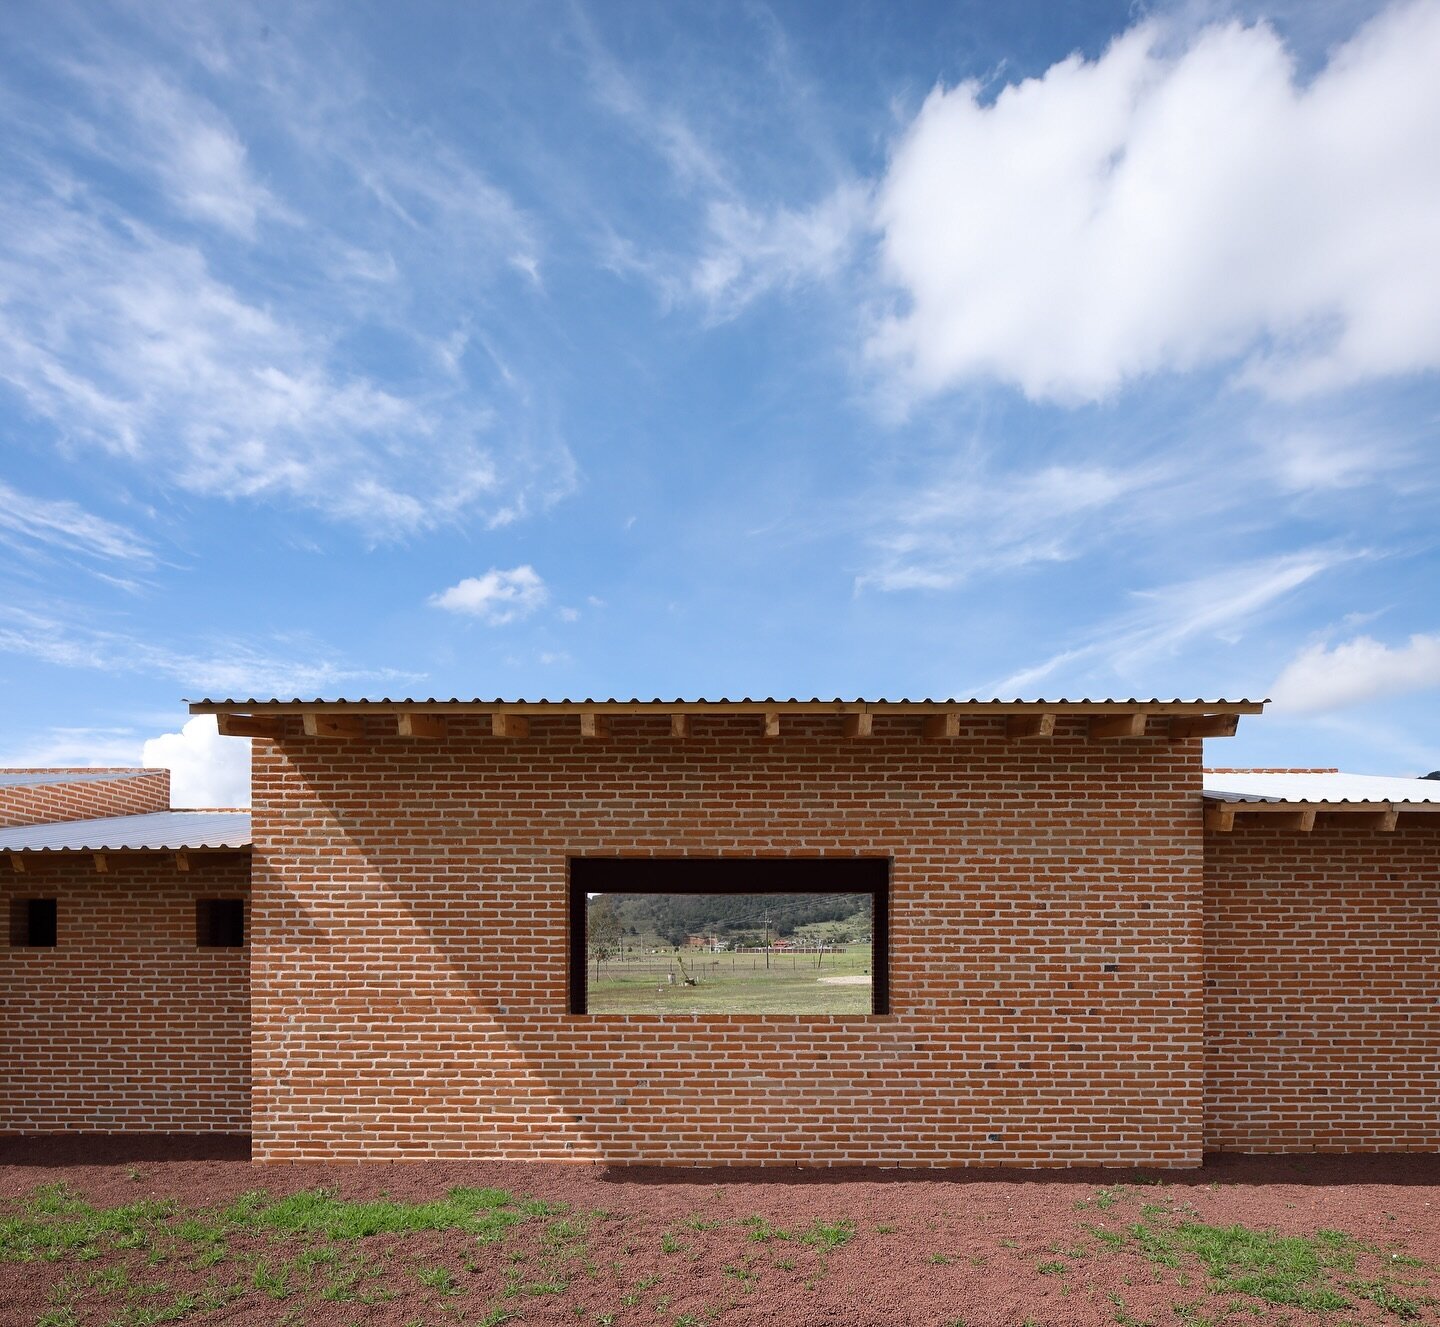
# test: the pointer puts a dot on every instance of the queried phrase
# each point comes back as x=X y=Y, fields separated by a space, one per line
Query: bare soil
x=639 y=1247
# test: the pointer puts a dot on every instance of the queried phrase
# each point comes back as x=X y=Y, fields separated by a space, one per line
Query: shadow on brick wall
x=114 y=1149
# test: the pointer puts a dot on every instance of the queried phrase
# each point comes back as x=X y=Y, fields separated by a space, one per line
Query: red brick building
x=1082 y=956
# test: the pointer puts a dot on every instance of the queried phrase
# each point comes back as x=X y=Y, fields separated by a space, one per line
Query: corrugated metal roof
x=1320 y=788
x=38 y=778
x=235 y=703
x=157 y=831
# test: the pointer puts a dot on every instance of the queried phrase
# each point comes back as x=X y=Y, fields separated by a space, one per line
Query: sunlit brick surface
x=87 y=799
x=409 y=959
x=1323 y=987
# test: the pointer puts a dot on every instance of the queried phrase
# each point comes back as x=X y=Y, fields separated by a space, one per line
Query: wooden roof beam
x=343 y=726
x=772 y=723
x=593 y=724
x=1207 y=725
x=250 y=725
x=505 y=724
x=1220 y=817
x=1120 y=726
x=17 y=863
x=857 y=725
x=680 y=725
x=182 y=861
x=429 y=727
x=940 y=727
x=102 y=863
x=1030 y=725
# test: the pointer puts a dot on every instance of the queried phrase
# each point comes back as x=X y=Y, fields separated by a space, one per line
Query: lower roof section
x=157 y=831
x=1322 y=787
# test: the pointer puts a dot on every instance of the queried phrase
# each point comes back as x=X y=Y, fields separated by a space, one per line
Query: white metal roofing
x=157 y=831
x=10 y=778
x=1328 y=786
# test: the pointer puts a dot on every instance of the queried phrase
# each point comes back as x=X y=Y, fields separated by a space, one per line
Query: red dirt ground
x=930 y=1248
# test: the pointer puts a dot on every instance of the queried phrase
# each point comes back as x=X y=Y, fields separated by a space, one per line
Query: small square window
x=219 y=923
x=33 y=923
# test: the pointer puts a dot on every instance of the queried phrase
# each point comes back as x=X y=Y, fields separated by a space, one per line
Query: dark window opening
x=33 y=923
x=219 y=923
x=729 y=935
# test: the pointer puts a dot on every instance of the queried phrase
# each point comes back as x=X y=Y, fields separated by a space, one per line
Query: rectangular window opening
x=219 y=923
x=33 y=923
x=729 y=935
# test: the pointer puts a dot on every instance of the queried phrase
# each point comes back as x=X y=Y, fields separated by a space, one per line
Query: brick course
x=409 y=971
x=138 y=792
x=1322 y=1019
x=125 y=1024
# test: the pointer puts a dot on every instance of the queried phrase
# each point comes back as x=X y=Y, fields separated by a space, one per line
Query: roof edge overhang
x=1221 y=812
x=744 y=706
x=1102 y=719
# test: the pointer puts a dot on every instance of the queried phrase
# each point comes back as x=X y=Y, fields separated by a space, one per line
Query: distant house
x=702 y=941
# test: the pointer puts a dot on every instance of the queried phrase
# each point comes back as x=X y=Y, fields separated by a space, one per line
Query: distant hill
x=671 y=917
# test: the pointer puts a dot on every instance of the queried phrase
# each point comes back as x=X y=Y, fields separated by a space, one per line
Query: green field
x=731 y=984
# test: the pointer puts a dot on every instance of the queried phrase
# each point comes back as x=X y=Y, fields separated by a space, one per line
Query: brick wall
x=409 y=969
x=125 y=1024
x=137 y=792
x=1322 y=1020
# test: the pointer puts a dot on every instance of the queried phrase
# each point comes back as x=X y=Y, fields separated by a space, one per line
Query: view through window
x=728 y=936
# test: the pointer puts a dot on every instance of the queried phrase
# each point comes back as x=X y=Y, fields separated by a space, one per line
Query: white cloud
x=205 y=768
x=497 y=597
x=1321 y=678
x=1184 y=200
x=63 y=525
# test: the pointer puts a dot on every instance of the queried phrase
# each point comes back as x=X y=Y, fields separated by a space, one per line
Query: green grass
x=733 y=983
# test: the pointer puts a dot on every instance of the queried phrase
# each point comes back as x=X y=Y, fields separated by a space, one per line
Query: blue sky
x=689 y=349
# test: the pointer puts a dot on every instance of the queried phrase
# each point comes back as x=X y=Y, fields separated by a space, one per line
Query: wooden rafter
x=593 y=724
x=17 y=863
x=1030 y=725
x=857 y=725
x=1208 y=725
x=938 y=727
x=344 y=726
x=182 y=861
x=505 y=724
x=1220 y=817
x=428 y=726
x=680 y=725
x=250 y=725
x=772 y=723
x=102 y=863
x=1118 y=726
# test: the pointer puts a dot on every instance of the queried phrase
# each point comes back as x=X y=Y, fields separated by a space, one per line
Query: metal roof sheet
x=156 y=831
x=10 y=778
x=1334 y=787
x=235 y=703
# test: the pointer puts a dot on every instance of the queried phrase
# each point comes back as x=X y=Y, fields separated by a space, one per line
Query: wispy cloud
x=1220 y=605
x=972 y=521
x=180 y=139
x=289 y=667
x=163 y=344
x=28 y=521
